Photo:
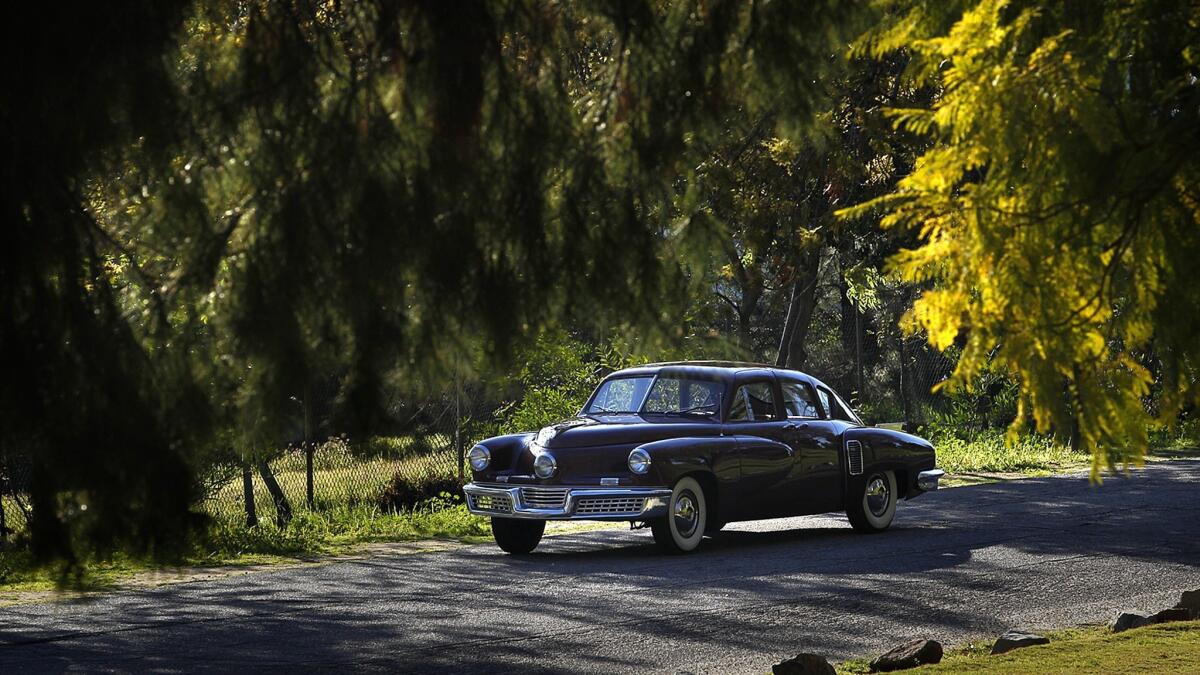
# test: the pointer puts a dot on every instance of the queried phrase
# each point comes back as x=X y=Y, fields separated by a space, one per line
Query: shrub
x=406 y=490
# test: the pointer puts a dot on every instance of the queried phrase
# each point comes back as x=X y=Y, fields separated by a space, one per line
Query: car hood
x=582 y=432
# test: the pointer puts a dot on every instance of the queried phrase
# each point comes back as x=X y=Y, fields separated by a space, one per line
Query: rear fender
x=887 y=450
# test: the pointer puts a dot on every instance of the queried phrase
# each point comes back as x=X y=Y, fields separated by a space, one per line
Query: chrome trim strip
x=928 y=480
x=654 y=506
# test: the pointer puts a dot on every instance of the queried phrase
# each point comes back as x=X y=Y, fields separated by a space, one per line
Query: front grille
x=491 y=503
x=854 y=457
x=614 y=505
x=544 y=497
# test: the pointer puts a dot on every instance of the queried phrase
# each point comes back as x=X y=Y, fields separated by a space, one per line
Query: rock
x=908 y=655
x=1015 y=639
x=1190 y=600
x=1172 y=614
x=1127 y=620
x=803 y=664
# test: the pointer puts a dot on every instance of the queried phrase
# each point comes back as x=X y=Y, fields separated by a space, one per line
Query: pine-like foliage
x=1059 y=207
x=209 y=204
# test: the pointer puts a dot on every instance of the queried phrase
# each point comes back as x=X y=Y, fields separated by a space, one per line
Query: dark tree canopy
x=208 y=204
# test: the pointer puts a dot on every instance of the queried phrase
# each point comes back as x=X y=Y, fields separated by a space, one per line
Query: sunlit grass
x=340 y=479
x=987 y=452
x=1161 y=648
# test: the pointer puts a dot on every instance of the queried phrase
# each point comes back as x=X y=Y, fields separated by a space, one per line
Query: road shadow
x=956 y=561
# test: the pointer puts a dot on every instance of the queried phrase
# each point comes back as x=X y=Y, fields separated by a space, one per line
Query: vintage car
x=688 y=447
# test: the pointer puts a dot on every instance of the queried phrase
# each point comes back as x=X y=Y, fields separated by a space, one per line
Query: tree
x=1058 y=207
x=237 y=195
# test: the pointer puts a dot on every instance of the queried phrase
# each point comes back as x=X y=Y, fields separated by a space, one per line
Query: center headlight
x=544 y=465
x=480 y=458
x=639 y=461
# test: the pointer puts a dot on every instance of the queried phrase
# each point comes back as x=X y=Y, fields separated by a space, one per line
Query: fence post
x=858 y=355
x=458 y=425
x=308 y=454
x=248 y=495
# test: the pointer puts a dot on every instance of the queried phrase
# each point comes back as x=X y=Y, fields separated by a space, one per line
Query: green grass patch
x=310 y=534
x=987 y=452
x=1161 y=648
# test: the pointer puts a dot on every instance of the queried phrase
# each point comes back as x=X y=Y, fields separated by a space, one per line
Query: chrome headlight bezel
x=639 y=461
x=479 y=457
x=544 y=465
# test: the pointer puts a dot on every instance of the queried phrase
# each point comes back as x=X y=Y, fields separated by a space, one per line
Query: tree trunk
x=283 y=508
x=3 y=520
x=248 y=496
x=751 y=293
x=792 y=353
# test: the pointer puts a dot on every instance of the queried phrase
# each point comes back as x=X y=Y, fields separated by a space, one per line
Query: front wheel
x=517 y=536
x=873 y=505
x=683 y=527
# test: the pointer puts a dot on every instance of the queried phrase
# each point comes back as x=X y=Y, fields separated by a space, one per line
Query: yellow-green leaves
x=1057 y=210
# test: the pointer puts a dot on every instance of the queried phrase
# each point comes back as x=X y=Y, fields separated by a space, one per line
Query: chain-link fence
x=421 y=456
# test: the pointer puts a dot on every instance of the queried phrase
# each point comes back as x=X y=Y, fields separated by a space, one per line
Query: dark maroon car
x=688 y=447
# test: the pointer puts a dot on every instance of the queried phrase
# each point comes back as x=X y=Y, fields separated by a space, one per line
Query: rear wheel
x=874 y=502
x=517 y=536
x=683 y=527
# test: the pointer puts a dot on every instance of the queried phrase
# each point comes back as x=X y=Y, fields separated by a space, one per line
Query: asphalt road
x=959 y=563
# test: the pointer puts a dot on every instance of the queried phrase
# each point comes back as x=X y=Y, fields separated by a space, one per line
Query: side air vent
x=854 y=460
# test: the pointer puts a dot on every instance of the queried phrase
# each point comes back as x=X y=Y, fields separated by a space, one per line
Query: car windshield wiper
x=601 y=409
x=694 y=410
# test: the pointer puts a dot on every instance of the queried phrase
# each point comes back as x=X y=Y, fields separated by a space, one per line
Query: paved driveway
x=958 y=563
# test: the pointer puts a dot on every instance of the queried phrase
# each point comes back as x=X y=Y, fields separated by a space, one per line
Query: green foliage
x=1057 y=207
x=243 y=198
x=558 y=375
x=990 y=451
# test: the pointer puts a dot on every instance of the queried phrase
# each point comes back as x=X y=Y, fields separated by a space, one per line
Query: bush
x=406 y=491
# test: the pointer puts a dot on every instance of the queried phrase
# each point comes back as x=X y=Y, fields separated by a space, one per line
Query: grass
x=1161 y=648
x=987 y=452
x=340 y=479
x=309 y=535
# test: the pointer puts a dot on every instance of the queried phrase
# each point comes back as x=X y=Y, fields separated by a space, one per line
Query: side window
x=799 y=401
x=836 y=408
x=753 y=401
x=825 y=402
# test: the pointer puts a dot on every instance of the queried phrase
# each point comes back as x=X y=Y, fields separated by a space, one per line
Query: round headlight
x=480 y=458
x=544 y=465
x=639 y=461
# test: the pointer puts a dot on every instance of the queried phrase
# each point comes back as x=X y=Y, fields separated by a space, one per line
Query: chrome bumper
x=577 y=503
x=928 y=480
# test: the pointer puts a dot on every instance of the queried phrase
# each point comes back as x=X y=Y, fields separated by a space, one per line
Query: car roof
x=715 y=369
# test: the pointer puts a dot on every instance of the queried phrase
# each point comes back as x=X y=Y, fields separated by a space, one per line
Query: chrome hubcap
x=686 y=516
x=877 y=496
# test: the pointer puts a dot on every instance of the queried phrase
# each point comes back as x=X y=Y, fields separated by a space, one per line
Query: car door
x=816 y=478
x=756 y=419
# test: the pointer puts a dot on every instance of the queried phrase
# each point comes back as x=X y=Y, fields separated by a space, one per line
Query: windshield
x=620 y=395
x=664 y=395
x=683 y=395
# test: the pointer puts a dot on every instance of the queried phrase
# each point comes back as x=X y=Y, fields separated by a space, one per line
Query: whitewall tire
x=683 y=527
x=872 y=504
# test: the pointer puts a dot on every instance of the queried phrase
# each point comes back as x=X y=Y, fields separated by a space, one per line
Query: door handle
x=792 y=425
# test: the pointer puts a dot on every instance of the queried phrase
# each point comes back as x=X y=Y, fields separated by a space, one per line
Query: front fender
x=674 y=458
x=505 y=451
